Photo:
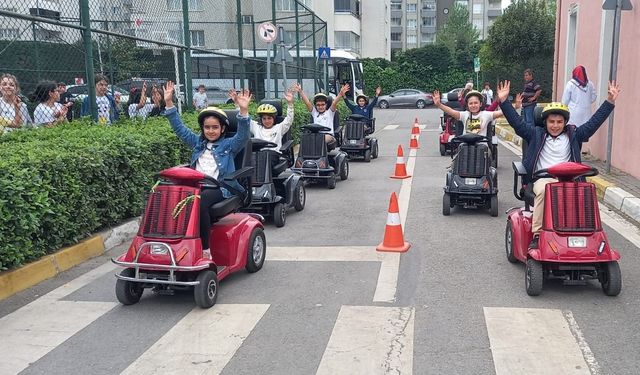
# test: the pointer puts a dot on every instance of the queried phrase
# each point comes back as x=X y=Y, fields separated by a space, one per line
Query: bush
x=59 y=185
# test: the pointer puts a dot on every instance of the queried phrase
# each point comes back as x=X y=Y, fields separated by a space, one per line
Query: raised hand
x=436 y=98
x=503 y=90
x=233 y=95
x=296 y=87
x=168 y=94
x=378 y=91
x=242 y=100
x=613 y=91
x=344 y=89
x=518 y=100
x=289 y=95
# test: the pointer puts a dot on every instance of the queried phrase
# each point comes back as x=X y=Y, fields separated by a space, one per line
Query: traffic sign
x=267 y=32
x=476 y=64
x=324 y=53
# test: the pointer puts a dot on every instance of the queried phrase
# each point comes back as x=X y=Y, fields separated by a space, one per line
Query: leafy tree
x=460 y=37
x=523 y=37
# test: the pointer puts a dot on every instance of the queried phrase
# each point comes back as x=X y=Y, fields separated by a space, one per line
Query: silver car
x=406 y=98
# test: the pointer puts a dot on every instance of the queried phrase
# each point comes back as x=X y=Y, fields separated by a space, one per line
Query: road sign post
x=268 y=33
x=324 y=53
x=283 y=59
x=476 y=68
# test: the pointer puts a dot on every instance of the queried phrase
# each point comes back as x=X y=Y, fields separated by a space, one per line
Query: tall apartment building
x=482 y=13
x=414 y=23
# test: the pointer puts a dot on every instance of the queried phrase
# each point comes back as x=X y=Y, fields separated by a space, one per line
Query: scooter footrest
x=574 y=282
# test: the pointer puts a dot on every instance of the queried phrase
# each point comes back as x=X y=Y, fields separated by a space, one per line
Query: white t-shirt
x=579 y=100
x=476 y=123
x=104 y=108
x=200 y=99
x=276 y=132
x=8 y=114
x=207 y=163
x=555 y=150
x=43 y=114
x=488 y=95
x=142 y=112
x=325 y=119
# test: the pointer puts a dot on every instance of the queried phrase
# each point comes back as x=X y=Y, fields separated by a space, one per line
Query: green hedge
x=59 y=185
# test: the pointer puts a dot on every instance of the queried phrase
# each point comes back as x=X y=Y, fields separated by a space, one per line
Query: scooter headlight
x=577 y=242
x=158 y=250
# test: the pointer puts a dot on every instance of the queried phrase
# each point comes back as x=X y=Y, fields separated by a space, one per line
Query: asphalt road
x=459 y=307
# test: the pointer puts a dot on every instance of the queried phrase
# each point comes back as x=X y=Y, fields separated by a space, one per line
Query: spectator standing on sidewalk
x=107 y=107
x=158 y=102
x=200 y=100
x=487 y=93
x=49 y=111
x=579 y=94
x=530 y=94
x=13 y=112
x=66 y=99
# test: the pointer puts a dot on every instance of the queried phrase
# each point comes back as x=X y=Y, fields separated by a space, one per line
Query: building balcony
x=492 y=13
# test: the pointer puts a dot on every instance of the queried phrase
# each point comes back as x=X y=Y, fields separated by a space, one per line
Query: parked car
x=443 y=96
x=406 y=97
x=216 y=95
x=79 y=92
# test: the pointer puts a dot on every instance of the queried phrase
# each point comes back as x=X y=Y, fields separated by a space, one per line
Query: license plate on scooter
x=577 y=241
x=469 y=181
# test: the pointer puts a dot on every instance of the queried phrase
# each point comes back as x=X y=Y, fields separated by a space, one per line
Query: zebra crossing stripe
x=533 y=341
x=202 y=342
x=370 y=340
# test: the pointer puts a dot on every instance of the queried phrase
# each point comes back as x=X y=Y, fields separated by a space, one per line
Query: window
x=347 y=40
x=412 y=39
x=412 y=24
x=428 y=5
x=342 y=5
x=176 y=5
x=477 y=8
x=9 y=33
x=305 y=38
x=197 y=38
x=396 y=37
x=396 y=5
x=289 y=5
x=247 y=19
x=428 y=38
x=396 y=21
x=428 y=21
x=411 y=8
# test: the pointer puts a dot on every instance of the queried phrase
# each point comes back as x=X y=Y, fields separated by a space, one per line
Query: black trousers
x=208 y=197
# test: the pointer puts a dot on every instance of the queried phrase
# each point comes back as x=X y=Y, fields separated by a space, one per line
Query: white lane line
x=391 y=127
x=533 y=341
x=202 y=342
x=610 y=218
x=370 y=340
x=387 y=278
x=35 y=329
x=422 y=127
x=405 y=189
x=584 y=347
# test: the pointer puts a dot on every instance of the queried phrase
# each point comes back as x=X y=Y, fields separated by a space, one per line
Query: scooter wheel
x=508 y=243
x=331 y=182
x=256 y=251
x=367 y=156
x=534 y=277
x=374 y=151
x=344 y=171
x=443 y=150
x=128 y=292
x=494 y=206
x=299 y=196
x=446 y=204
x=206 y=292
x=279 y=214
x=611 y=279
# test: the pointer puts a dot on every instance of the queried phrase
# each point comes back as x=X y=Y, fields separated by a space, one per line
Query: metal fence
x=132 y=41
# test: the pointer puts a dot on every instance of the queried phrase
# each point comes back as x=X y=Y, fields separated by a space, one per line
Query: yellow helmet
x=215 y=112
x=266 y=109
x=555 y=108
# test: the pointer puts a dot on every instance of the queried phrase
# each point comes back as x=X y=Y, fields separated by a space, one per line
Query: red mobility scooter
x=450 y=126
x=167 y=253
x=572 y=245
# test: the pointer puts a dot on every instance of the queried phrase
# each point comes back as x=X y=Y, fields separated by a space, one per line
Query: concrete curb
x=14 y=281
x=607 y=191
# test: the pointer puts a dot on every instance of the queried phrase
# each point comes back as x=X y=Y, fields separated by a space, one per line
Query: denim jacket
x=224 y=149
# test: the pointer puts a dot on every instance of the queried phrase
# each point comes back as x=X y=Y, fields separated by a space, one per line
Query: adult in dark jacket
x=554 y=143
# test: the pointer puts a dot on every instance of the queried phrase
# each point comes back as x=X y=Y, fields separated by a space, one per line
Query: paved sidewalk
x=617 y=189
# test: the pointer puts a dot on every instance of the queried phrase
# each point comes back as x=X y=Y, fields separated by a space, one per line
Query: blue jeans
x=528 y=114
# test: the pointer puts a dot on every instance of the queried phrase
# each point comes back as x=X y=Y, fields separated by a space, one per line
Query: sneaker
x=534 y=242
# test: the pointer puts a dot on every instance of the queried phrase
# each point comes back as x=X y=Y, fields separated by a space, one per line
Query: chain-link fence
x=52 y=50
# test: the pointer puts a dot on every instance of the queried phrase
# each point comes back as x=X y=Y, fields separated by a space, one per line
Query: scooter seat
x=225 y=207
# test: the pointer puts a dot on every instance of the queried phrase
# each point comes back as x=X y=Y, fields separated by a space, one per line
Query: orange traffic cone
x=415 y=122
x=414 y=141
x=415 y=129
x=401 y=169
x=393 y=239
